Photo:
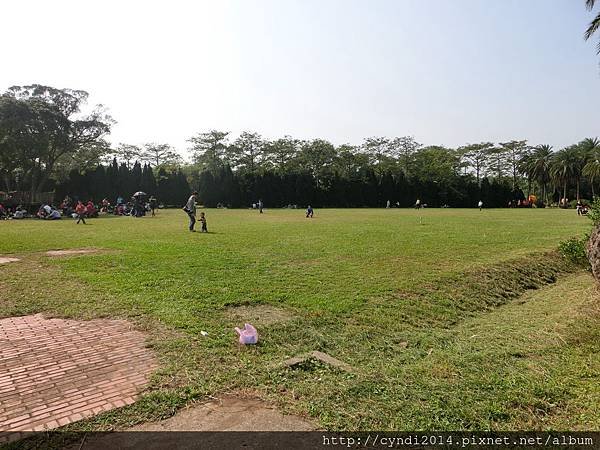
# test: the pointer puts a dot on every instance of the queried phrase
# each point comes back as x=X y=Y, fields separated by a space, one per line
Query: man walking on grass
x=80 y=210
x=190 y=209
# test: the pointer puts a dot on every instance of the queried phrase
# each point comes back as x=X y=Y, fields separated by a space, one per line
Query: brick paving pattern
x=54 y=372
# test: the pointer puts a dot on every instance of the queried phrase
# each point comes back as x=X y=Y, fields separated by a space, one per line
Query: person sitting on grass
x=203 y=222
x=54 y=215
x=80 y=210
x=66 y=209
x=20 y=213
x=3 y=212
x=43 y=211
x=309 y=212
x=91 y=210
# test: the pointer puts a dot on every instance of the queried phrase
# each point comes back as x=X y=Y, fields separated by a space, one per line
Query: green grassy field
x=452 y=319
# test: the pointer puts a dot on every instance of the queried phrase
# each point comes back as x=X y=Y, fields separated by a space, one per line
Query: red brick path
x=54 y=372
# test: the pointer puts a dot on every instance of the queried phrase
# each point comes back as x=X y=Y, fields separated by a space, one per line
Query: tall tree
x=160 y=154
x=591 y=170
x=128 y=153
x=477 y=157
x=148 y=183
x=539 y=165
x=317 y=156
x=209 y=149
x=18 y=136
x=514 y=151
x=436 y=164
x=498 y=163
x=50 y=128
x=380 y=152
x=566 y=168
x=403 y=148
x=248 y=150
x=282 y=151
x=349 y=161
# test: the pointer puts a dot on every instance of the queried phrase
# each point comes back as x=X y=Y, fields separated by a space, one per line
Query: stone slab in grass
x=6 y=259
x=320 y=356
x=259 y=315
x=70 y=252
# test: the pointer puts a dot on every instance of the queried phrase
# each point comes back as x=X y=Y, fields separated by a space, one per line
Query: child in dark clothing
x=203 y=222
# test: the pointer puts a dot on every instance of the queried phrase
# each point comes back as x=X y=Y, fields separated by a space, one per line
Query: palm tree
x=594 y=24
x=591 y=170
x=566 y=168
x=539 y=163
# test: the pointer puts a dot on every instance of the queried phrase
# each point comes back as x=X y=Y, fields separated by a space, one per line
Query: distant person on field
x=80 y=210
x=387 y=205
x=260 y=206
x=418 y=204
x=190 y=209
x=203 y=222
x=480 y=205
x=579 y=207
x=309 y=211
x=153 y=205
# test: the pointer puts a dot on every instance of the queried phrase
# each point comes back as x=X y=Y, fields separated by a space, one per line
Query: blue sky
x=447 y=72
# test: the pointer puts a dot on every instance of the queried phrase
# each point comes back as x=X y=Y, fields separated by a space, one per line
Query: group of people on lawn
x=190 y=210
x=81 y=210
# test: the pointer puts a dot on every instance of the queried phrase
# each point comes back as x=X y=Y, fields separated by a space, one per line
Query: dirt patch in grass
x=258 y=315
x=230 y=413
x=71 y=252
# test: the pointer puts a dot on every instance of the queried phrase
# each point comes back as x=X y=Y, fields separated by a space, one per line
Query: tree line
x=46 y=143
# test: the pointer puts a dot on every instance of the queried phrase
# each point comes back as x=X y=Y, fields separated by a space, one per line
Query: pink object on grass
x=248 y=335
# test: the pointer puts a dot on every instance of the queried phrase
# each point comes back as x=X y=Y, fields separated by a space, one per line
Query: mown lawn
x=434 y=309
